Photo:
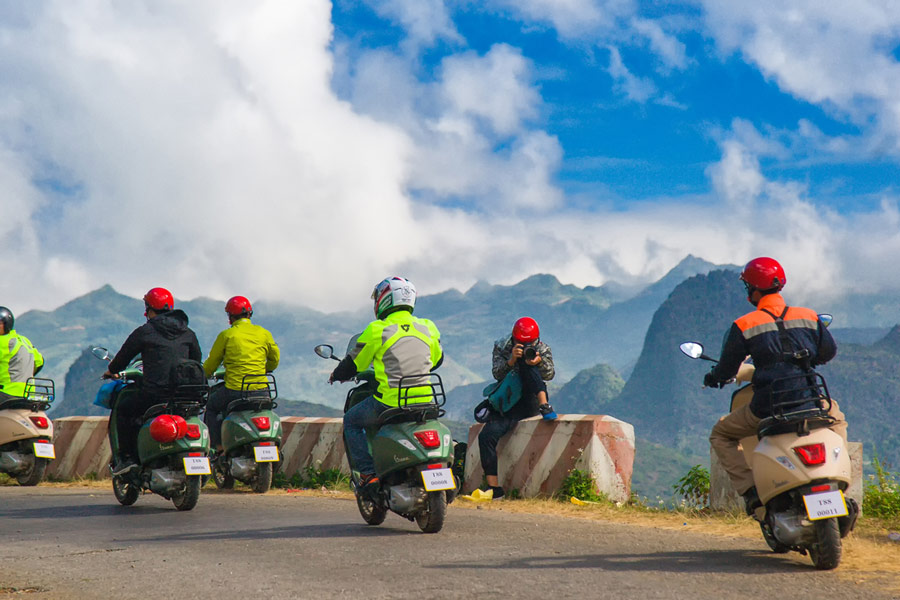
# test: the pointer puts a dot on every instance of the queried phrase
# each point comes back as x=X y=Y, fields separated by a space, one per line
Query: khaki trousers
x=733 y=427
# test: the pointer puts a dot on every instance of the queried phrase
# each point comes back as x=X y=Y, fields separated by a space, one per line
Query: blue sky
x=301 y=151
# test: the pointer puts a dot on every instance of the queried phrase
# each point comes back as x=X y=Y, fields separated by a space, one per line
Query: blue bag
x=106 y=392
x=505 y=394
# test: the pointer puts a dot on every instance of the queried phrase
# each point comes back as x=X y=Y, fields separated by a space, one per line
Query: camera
x=530 y=353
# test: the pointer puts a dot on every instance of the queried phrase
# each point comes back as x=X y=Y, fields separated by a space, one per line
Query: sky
x=300 y=151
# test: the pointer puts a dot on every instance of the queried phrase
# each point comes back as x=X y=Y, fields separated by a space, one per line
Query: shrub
x=311 y=477
x=581 y=485
x=881 y=497
x=694 y=488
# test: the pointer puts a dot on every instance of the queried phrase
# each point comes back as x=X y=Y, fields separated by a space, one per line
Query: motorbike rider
x=783 y=341
x=19 y=359
x=532 y=359
x=397 y=344
x=163 y=341
x=245 y=349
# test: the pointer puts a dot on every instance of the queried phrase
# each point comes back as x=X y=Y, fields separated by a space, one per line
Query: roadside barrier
x=537 y=455
x=722 y=495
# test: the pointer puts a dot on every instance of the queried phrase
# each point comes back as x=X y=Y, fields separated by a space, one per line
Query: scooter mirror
x=826 y=319
x=325 y=350
x=101 y=353
x=692 y=349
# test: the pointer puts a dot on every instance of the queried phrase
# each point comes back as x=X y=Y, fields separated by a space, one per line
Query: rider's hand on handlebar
x=109 y=375
x=709 y=380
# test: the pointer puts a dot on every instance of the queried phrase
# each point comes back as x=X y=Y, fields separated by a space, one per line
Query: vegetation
x=693 y=488
x=579 y=484
x=881 y=497
x=313 y=478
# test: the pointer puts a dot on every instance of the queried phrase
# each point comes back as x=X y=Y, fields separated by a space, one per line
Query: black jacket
x=162 y=342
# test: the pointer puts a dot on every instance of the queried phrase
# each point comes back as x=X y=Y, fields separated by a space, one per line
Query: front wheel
x=372 y=512
x=35 y=474
x=222 y=476
x=263 y=479
x=187 y=498
x=431 y=520
x=826 y=551
x=126 y=493
x=776 y=546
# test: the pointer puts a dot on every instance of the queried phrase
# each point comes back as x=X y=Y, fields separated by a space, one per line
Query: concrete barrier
x=722 y=495
x=536 y=455
x=82 y=446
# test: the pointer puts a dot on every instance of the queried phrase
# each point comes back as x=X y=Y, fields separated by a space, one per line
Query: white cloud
x=426 y=21
x=637 y=89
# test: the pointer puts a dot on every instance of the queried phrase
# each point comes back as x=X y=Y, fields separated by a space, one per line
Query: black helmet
x=7 y=318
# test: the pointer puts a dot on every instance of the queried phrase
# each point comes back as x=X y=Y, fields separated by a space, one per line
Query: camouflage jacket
x=503 y=350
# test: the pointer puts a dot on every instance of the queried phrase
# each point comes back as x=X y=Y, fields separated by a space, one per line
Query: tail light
x=40 y=422
x=811 y=455
x=193 y=431
x=262 y=423
x=196 y=454
x=428 y=438
x=266 y=444
x=820 y=488
x=436 y=466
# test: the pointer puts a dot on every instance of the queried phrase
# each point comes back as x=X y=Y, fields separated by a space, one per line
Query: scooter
x=412 y=450
x=251 y=435
x=173 y=442
x=26 y=434
x=801 y=469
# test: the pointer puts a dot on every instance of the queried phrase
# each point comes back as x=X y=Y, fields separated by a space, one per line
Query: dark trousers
x=129 y=411
x=219 y=398
x=488 y=439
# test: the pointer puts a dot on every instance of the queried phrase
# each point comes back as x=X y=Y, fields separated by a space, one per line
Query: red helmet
x=159 y=299
x=763 y=274
x=526 y=330
x=238 y=306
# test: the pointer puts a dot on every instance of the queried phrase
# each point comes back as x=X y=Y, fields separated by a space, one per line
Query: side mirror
x=324 y=350
x=101 y=353
x=826 y=319
x=692 y=349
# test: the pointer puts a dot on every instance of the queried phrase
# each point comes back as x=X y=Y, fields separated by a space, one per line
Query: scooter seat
x=257 y=404
x=155 y=411
x=799 y=423
x=410 y=415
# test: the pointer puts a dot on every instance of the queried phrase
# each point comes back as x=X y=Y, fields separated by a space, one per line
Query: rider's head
x=763 y=275
x=526 y=331
x=158 y=300
x=6 y=319
x=393 y=294
x=238 y=307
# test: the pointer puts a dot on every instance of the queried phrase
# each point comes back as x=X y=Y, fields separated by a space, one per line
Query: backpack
x=505 y=394
x=187 y=372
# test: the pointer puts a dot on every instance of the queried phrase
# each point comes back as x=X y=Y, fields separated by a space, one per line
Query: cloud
x=637 y=89
x=425 y=21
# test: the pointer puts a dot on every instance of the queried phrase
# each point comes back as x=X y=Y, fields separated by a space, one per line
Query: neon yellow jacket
x=396 y=346
x=18 y=361
x=244 y=349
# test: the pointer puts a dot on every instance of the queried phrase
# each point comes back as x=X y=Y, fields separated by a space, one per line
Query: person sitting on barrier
x=523 y=353
x=398 y=345
x=19 y=359
x=783 y=341
x=163 y=341
x=244 y=349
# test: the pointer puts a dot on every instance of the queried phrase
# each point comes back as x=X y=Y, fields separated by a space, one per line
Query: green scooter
x=251 y=435
x=173 y=442
x=412 y=450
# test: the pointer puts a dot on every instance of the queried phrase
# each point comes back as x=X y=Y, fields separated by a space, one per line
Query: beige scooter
x=801 y=470
x=26 y=433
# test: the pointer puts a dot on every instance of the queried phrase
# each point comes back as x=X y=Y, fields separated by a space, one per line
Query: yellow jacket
x=19 y=360
x=244 y=349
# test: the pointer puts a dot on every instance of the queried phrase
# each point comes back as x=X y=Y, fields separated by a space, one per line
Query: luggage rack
x=39 y=395
x=256 y=398
x=411 y=387
x=797 y=408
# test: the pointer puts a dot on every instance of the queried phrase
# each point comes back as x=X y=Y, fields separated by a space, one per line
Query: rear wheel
x=222 y=478
x=826 y=551
x=372 y=513
x=187 y=498
x=431 y=520
x=35 y=474
x=263 y=479
x=126 y=493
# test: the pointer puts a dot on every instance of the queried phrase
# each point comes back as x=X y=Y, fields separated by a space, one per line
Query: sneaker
x=547 y=412
x=368 y=483
x=498 y=493
x=123 y=466
x=751 y=501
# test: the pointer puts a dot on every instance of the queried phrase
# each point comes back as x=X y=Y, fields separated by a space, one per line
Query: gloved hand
x=709 y=380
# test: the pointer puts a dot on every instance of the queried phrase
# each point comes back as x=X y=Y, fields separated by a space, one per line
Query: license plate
x=44 y=450
x=436 y=480
x=197 y=465
x=265 y=453
x=825 y=505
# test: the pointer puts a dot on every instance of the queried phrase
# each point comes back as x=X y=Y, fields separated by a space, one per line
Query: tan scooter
x=26 y=433
x=801 y=470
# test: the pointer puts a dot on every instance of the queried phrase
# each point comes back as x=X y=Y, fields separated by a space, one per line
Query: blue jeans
x=356 y=420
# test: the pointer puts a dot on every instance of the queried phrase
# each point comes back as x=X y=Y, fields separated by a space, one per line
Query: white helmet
x=392 y=294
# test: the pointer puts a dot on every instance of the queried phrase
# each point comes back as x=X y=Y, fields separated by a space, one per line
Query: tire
x=187 y=499
x=126 y=493
x=431 y=520
x=776 y=546
x=372 y=513
x=35 y=474
x=223 y=479
x=826 y=551
x=263 y=480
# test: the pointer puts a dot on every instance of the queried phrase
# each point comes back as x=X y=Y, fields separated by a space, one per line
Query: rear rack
x=798 y=403
x=417 y=387
x=39 y=395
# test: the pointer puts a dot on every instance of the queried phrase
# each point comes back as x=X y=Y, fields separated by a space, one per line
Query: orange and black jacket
x=758 y=334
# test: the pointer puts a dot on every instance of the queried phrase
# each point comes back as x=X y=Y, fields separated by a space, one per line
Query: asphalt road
x=79 y=543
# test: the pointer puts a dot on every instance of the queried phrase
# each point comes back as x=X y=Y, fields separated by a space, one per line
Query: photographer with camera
x=524 y=352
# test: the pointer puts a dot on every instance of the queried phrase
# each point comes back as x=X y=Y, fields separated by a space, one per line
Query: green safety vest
x=18 y=361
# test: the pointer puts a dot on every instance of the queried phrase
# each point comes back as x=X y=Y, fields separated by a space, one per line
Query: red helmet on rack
x=238 y=306
x=764 y=274
x=159 y=299
x=526 y=330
